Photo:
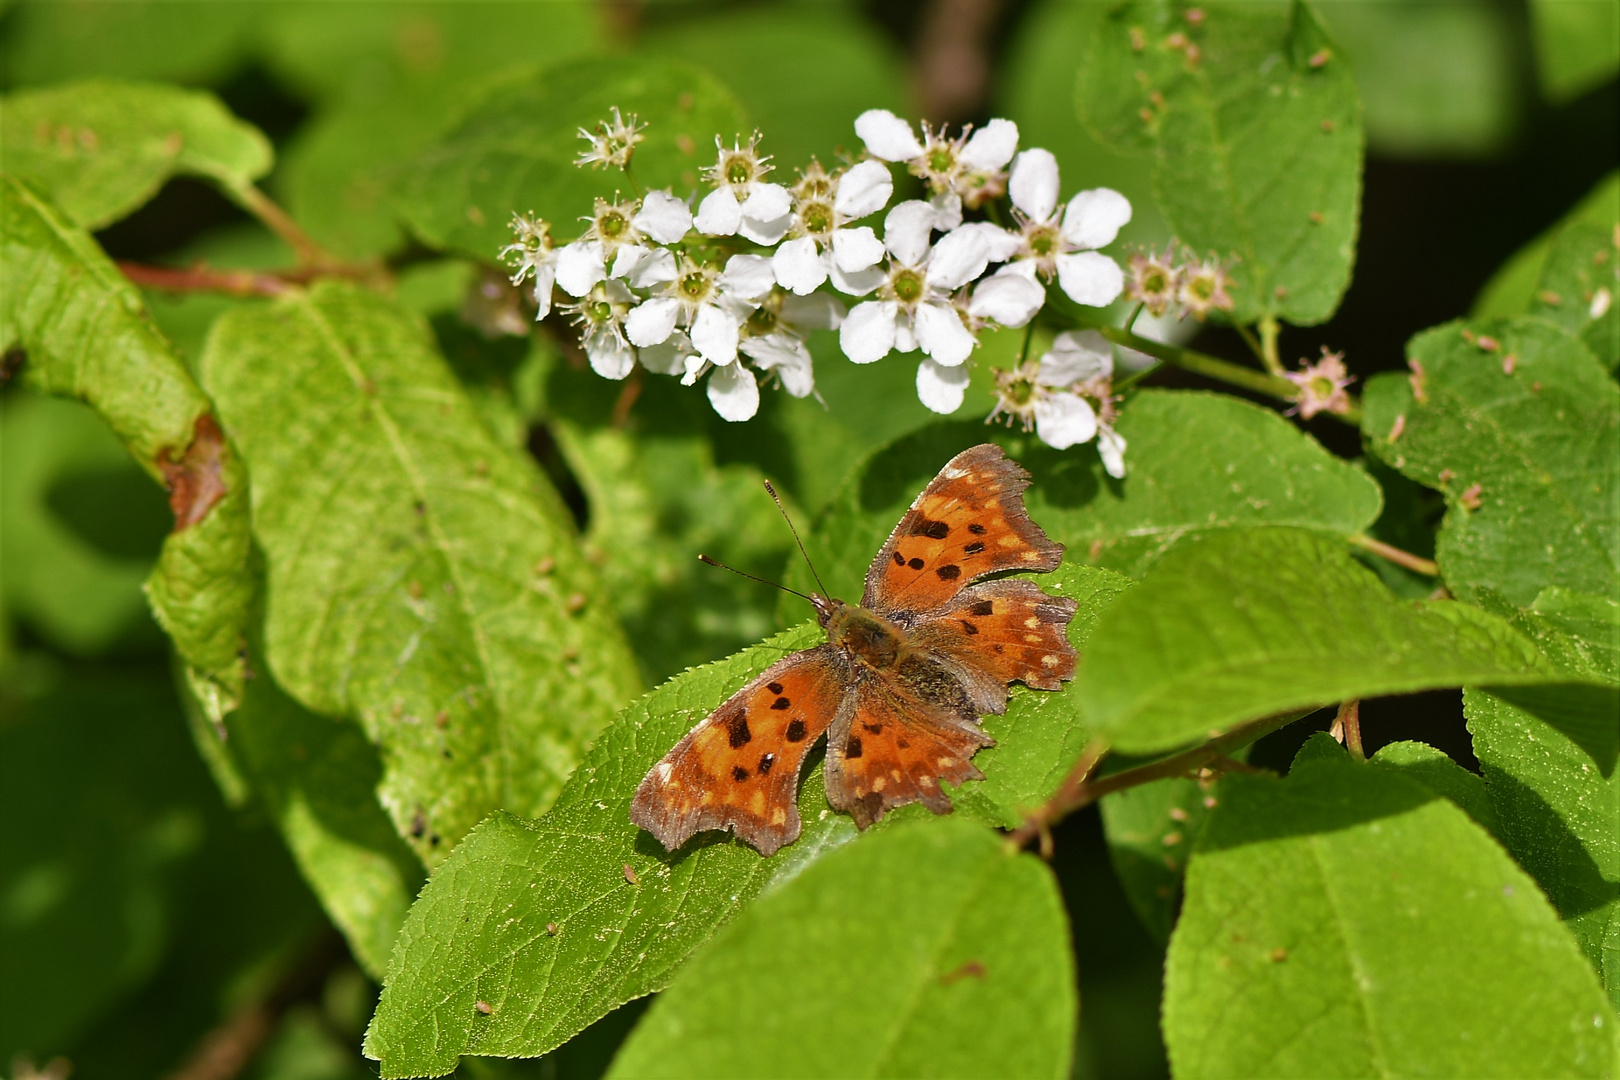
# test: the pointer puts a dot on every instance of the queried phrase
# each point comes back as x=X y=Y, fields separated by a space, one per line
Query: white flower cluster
x=729 y=286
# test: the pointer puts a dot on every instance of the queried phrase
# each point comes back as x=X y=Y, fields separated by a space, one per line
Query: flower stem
x=1251 y=341
x=1347 y=728
x=1415 y=563
x=281 y=223
x=1268 y=345
x=1029 y=334
x=1130 y=323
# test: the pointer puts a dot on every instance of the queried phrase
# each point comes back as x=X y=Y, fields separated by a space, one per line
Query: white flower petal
x=714 y=334
x=1064 y=420
x=858 y=283
x=1076 y=355
x=650 y=267
x=906 y=230
x=1112 y=450
x=719 y=213
x=887 y=136
x=868 y=333
x=669 y=356
x=652 y=322
x=815 y=312
x=766 y=201
x=1000 y=244
x=1034 y=183
x=905 y=338
x=864 y=189
x=1095 y=217
x=799 y=266
x=947 y=210
x=545 y=276
x=734 y=393
x=1009 y=297
x=941 y=388
x=765 y=232
x=856 y=249
x=941 y=334
x=579 y=267
x=663 y=217
x=788 y=357
x=610 y=357
x=748 y=276
x=959 y=257
x=992 y=146
x=696 y=368
x=1090 y=278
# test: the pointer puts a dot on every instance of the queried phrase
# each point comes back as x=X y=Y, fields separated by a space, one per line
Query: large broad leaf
x=1256 y=130
x=103 y=147
x=423 y=578
x=1512 y=289
x=514 y=152
x=1197 y=463
x=1347 y=922
x=318 y=778
x=1517 y=424
x=1241 y=625
x=1560 y=819
x=929 y=948
x=85 y=335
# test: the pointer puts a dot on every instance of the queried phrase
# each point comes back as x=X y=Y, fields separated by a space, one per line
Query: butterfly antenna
x=778 y=500
x=751 y=577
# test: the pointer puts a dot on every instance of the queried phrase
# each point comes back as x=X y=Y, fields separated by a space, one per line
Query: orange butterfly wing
x=969 y=522
x=1001 y=631
x=739 y=768
x=894 y=748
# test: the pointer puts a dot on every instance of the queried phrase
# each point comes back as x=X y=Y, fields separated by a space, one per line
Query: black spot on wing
x=949 y=572
x=737 y=729
x=899 y=559
x=765 y=763
x=781 y=703
x=973 y=548
x=739 y=774
x=982 y=608
x=967 y=627
x=976 y=529
x=775 y=687
x=853 y=750
x=938 y=530
x=796 y=731
x=916 y=564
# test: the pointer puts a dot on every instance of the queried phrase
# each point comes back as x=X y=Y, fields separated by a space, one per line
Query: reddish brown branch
x=206 y=279
x=1347 y=728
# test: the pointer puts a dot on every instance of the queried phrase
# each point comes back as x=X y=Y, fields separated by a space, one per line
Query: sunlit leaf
x=953 y=952
x=423 y=578
x=1346 y=921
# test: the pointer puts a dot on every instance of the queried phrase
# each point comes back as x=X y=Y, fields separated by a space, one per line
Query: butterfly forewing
x=968 y=523
x=739 y=768
x=1004 y=631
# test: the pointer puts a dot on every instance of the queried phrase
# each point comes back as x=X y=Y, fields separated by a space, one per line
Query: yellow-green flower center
x=908 y=286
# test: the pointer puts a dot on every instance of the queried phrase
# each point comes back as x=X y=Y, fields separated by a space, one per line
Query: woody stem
x=1078 y=790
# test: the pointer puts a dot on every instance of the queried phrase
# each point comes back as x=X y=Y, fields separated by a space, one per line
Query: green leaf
x=79 y=525
x=134 y=39
x=1560 y=818
x=85 y=335
x=615 y=941
x=1579 y=286
x=1435 y=79
x=514 y=152
x=1246 y=624
x=423 y=578
x=1512 y=288
x=1577 y=45
x=1198 y=463
x=1538 y=448
x=928 y=948
x=1256 y=136
x=103 y=147
x=1150 y=829
x=1345 y=920
x=1437 y=772
x=804 y=73
x=319 y=778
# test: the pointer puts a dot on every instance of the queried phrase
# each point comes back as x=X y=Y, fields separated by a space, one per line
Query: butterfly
x=901 y=682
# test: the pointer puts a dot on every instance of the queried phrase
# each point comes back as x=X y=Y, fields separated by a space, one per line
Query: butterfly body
x=900 y=684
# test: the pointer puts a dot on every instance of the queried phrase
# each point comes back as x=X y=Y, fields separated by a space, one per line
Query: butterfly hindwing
x=969 y=522
x=739 y=768
x=1004 y=631
x=892 y=749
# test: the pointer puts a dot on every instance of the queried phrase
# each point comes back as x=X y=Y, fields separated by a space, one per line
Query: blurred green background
x=149 y=916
